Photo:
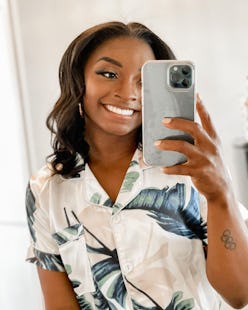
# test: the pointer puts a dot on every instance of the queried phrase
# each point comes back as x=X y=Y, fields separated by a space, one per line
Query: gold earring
x=81 y=112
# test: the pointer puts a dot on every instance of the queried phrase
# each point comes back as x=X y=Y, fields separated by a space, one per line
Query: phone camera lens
x=185 y=83
x=186 y=70
x=175 y=77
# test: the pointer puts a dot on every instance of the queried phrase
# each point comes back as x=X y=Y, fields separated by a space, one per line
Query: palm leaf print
x=68 y=269
x=129 y=181
x=30 y=209
x=167 y=207
x=48 y=261
x=75 y=230
x=84 y=303
x=108 y=269
x=108 y=203
x=176 y=304
x=99 y=300
x=133 y=163
x=96 y=198
x=137 y=306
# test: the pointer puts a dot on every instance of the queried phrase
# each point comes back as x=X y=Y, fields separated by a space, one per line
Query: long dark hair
x=64 y=121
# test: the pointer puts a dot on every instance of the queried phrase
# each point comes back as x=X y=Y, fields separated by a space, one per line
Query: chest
x=110 y=179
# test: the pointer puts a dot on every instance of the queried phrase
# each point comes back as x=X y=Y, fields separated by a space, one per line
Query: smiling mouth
x=116 y=110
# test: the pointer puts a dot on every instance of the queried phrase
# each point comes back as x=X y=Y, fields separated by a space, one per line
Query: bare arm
x=57 y=290
x=227 y=259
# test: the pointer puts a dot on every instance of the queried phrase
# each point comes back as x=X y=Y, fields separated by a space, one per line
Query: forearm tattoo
x=227 y=239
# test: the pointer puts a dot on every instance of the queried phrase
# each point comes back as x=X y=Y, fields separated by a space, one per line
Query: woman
x=109 y=232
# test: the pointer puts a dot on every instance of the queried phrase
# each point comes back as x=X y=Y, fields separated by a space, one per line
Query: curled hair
x=64 y=121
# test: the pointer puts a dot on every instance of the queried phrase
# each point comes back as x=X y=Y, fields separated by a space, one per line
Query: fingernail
x=198 y=98
x=166 y=120
x=157 y=143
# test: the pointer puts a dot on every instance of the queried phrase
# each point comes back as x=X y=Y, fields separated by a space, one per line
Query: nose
x=128 y=91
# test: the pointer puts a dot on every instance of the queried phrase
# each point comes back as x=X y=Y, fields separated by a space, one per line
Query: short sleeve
x=43 y=250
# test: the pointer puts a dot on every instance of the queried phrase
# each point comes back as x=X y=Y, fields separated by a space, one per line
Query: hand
x=205 y=164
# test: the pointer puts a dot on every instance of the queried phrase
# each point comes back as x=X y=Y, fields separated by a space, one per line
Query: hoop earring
x=80 y=108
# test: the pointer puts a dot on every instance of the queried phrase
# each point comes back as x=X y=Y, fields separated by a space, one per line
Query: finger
x=180 y=124
x=182 y=169
x=205 y=118
x=194 y=155
x=192 y=128
x=180 y=146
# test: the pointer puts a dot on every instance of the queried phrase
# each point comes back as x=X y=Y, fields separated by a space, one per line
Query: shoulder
x=48 y=189
x=40 y=180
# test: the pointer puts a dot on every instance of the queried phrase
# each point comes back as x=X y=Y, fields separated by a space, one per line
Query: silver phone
x=168 y=90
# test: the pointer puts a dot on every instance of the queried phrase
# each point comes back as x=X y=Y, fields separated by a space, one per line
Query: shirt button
x=128 y=267
x=116 y=219
x=71 y=237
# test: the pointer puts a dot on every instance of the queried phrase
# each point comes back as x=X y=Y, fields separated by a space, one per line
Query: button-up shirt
x=144 y=251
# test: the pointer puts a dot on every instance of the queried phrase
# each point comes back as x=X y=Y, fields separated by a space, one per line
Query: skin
x=227 y=268
x=112 y=81
x=57 y=290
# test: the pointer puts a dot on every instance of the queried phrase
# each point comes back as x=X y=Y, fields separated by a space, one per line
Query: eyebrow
x=111 y=60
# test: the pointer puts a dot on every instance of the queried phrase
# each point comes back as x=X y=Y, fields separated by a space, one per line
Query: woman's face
x=112 y=100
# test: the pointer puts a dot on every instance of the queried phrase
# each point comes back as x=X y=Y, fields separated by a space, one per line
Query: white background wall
x=17 y=277
x=212 y=33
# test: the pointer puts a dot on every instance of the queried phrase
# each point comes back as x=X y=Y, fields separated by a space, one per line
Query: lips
x=119 y=111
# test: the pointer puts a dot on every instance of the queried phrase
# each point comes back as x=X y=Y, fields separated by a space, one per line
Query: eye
x=108 y=74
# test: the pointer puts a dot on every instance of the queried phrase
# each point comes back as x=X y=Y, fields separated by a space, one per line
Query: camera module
x=180 y=76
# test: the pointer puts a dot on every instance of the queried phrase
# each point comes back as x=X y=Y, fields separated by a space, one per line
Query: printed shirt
x=145 y=251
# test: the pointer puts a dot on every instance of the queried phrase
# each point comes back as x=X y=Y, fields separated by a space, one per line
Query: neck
x=111 y=149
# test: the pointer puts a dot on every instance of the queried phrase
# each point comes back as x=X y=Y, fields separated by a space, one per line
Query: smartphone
x=168 y=90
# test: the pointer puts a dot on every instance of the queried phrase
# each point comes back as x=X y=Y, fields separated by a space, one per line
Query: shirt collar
x=131 y=186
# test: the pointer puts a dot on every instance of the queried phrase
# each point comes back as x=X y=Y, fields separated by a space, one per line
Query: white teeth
x=116 y=110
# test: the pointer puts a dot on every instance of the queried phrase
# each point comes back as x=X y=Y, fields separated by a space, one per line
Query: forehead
x=123 y=48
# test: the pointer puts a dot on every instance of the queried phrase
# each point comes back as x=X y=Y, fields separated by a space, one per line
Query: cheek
x=90 y=97
x=94 y=92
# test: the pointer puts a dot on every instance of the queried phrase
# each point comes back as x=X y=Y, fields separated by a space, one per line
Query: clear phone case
x=167 y=91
